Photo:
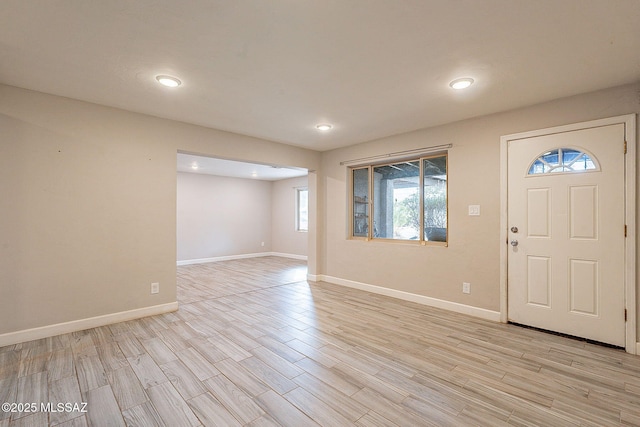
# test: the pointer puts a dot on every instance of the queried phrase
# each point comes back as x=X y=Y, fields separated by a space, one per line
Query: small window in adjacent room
x=302 y=209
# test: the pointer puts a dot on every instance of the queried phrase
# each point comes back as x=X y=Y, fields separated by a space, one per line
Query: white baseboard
x=407 y=296
x=314 y=277
x=292 y=256
x=81 y=324
x=241 y=256
x=638 y=348
x=220 y=258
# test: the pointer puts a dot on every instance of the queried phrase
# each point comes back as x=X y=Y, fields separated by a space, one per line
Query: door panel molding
x=629 y=121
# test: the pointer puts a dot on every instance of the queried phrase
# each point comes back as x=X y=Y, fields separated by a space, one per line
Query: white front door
x=566 y=219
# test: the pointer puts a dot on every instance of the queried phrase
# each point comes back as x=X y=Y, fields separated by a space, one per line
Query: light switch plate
x=474 y=210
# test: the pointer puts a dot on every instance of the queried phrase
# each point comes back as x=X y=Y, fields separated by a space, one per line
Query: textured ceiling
x=274 y=69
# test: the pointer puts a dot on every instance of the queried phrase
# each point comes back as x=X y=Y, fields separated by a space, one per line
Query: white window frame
x=297 y=216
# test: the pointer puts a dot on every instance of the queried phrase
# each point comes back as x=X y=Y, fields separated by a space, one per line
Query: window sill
x=400 y=242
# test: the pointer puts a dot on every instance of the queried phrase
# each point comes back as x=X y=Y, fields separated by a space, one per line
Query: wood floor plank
x=415 y=388
x=268 y=375
x=425 y=409
x=283 y=366
x=9 y=362
x=242 y=377
x=64 y=391
x=111 y=356
x=234 y=399
x=34 y=364
x=8 y=391
x=344 y=383
x=211 y=412
x=173 y=410
x=33 y=388
x=263 y=421
x=144 y=415
x=477 y=415
x=61 y=364
x=315 y=408
x=101 y=335
x=75 y=422
x=187 y=384
x=158 y=350
x=91 y=373
x=147 y=371
x=173 y=340
x=313 y=353
x=102 y=408
x=280 y=349
x=282 y=411
x=229 y=347
x=126 y=387
x=535 y=416
x=392 y=411
x=32 y=420
x=390 y=391
x=373 y=419
x=207 y=349
x=337 y=400
x=201 y=367
x=129 y=345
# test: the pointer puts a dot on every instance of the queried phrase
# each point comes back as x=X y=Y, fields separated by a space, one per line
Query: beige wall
x=473 y=254
x=285 y=238
x=221 y=216
x=88 y=205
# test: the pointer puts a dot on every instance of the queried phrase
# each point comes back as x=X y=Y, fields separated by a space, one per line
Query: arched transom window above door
x=563 y=160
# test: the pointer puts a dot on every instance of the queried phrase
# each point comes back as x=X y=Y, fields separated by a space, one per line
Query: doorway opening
x=231 y=209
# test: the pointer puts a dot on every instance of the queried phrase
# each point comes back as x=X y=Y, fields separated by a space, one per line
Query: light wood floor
x=254 y=344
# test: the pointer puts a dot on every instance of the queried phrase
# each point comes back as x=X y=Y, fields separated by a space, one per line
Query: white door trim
x=629 y=122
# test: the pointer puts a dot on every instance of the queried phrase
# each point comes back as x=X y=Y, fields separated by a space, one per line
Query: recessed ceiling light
x=168 y=81
x=194 y=166
x=462 y=83
x=254 y=174
x=324 y=126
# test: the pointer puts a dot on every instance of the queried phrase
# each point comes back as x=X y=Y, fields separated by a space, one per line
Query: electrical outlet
x=155 y=288
x=466 y=288
x=262 y=244
x=474 y=210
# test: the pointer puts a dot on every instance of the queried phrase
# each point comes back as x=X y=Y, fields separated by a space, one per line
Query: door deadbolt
x=514 y=229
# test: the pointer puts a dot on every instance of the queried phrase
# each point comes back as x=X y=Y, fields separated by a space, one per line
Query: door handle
x=514 y=243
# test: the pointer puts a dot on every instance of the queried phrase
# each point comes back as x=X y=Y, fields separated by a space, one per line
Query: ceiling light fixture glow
x=324 y=127
x=194 y=166
x=168 y=81
x=462 y=83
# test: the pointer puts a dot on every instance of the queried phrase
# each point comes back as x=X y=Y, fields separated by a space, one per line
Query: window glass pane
x=562 y=160
x=537 y=167
x=396 y=198
x=435 y=198
x=569 y=155
x=361 y=202
x=303 y=210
